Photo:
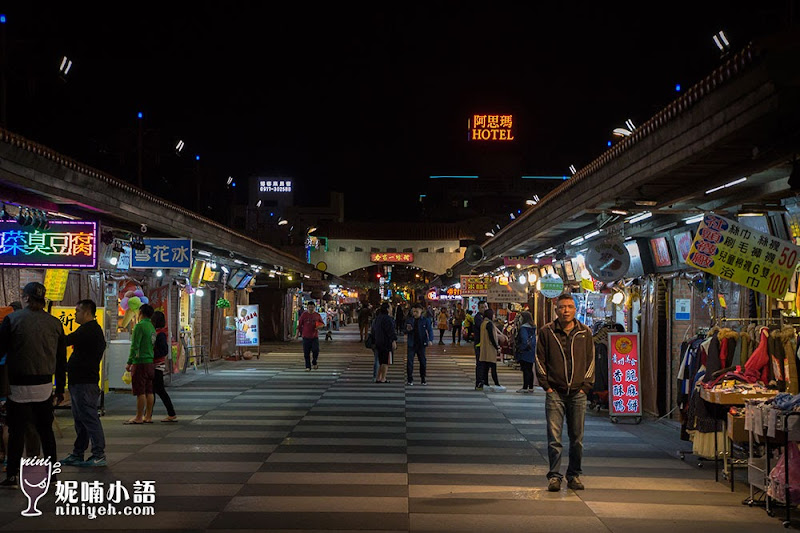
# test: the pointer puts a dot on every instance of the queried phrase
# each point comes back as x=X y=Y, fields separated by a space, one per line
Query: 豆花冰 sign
x=509 y=293
x=743 y=255
x=391 y=257
x=623 y=375
x=474 y=285
x=66 y=244
x=247 y=325
x=163 y=253
x=490 y=128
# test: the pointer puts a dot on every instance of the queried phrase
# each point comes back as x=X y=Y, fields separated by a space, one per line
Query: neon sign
x=392 y=257
x=275 y=186
x=66 y=244
x=490 y=128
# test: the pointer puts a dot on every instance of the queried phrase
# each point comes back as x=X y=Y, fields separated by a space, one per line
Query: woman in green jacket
x=140 y=365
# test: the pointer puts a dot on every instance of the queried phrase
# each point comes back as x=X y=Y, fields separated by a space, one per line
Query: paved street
x=264 y=445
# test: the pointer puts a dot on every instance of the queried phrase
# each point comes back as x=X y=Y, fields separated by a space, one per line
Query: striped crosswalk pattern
x=265 y=445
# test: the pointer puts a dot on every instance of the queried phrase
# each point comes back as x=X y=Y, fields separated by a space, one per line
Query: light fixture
x=272 y=274
x=66 y=64
x=572 y=169
x=694 y=219
x=522 y=280
x=312 y=229
x=618 y=298
x=629 y=124
x=729 y=184
x=621 y=212
x=645 y=203
x=489 y=233
x=641 y=216
x=200 y=293
x=113 y=260
x=622 y=132
x=591 y=234
x=530 y=202
x=511 y=215
x=159 y=273
x=258 y=203
x=549 y=251
x=532 y=278
x=752 y=214
x=282 y=221
x=213 y=266
x=179 y=146
x=289 y=277
x=225 y=269
x=576 y=241
x=203 y=252
x=721 y=40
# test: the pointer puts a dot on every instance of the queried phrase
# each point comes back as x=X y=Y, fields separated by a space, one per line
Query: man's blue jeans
x=423 y=363
x=83 y=397
x=311 y=346
x=557 y=406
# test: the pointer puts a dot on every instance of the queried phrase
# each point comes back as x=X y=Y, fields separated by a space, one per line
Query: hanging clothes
x=757 y=365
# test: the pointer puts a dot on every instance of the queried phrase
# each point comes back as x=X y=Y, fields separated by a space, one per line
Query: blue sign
x=163 y=253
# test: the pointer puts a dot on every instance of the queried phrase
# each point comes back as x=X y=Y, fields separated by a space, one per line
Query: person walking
x=140 y=365
x=490 y=347
x=476 y=335
x=458 y=318
x=83 y=372
x=308 y=328
x=442 y=321
x=160 y=351
x=400 y=319
x=565 y=369
x=36 y=349
x=525 y=347
x=383 y=331
x=419 y=332
x=364 y=318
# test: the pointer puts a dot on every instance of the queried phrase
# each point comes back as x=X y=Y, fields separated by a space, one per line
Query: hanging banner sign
x=623 y=373
x=743 y=255
x=512 y=293
x=163 y=253
x=519 y=260
x=66 y=244
x=55 y=283
x=247 y=325
x=391 y=257
x=474 y=285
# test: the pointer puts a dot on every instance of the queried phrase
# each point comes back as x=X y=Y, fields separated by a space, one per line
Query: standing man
x=476 y=336
x=36 y=347
x=364 y=317
x=141 y=367
x=458 y=318
x=383 y=331
x=308 y=328
x=565 y=368
x=420 y=334
x=83 y=370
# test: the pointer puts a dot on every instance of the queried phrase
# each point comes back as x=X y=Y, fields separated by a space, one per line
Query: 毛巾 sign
x=509 y=293
x=623 y=373
x=490 y=128
x=474 y=285
x=391 y=257
x=163 y=253
x=743 y=255
x=65 y=244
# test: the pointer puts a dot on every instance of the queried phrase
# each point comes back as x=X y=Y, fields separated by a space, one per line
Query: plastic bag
x=126 y=378
x=777 y=477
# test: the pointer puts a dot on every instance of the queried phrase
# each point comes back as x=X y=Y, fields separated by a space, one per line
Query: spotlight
x=225 y=269
x=618 y=298
x=522 y=280
x=200 y=293
x=159 y=273
x=113 y=260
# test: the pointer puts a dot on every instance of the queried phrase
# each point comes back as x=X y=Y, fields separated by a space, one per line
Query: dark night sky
x=368 y=100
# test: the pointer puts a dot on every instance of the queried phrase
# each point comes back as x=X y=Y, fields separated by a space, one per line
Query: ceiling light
x=730 y=184
x=640 y=217
x=645 y=203
x=622 y=132
x=489 y=233
x=694 y=219
x=203 y=252
x=179 y=146
x=572 y=169
x=282 y=222
x=576 y=241
x=618 y=298
x=549 y=251
x=620 y=212
x=200 y=293
x=591 y=234
x=530 y=202
x=312 y=229
x=159 y=273
x=629 y=124
x=522 y=280
x=752 y=214
x=540 y=255
x=258 y=203
x=225 y=269
x=113 y=260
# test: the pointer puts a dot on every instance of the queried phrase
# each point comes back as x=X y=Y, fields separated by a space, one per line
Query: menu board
x=623 y=375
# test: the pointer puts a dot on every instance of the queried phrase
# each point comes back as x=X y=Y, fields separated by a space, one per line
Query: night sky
x=365 y=99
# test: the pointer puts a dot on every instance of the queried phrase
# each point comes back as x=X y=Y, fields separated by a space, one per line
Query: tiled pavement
x=264 y=445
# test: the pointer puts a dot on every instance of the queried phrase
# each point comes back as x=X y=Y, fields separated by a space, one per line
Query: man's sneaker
x=95 y=461
x=424 y=382
x=308 y=369
x=479 y=387
x=488 y=388
x=316 y=366
x=522 y=391
x=409 y=383
x=554 y=485
x=499 y=388
x=575 y=484
x=10 y=482
x=72 y=460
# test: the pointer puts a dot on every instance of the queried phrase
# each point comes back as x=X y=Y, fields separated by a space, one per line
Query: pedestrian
x=442 y=322
x=308 y=328
x=525 y=346
x=476 y=338
x=140 y=365
x=565 y=368
x=400 y=319
x=490 y=347
x=420 y=333
x=36 y=349
x=385 y=336
x=160 y=351
x=364 y=318
x=83 y=373
x=458 y=319
x=467 y=325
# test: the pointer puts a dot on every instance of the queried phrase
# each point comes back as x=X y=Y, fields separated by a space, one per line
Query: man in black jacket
x=383 y=330
x=83 y=369
x=565 y=368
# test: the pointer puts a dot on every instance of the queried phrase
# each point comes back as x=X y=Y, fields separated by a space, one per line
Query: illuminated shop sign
x=392 y=257
x=490 y=127
x=66 y=244
x=274 y=185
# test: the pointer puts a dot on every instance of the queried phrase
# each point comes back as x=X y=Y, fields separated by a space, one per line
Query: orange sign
x=490 y=128
x=391 y=257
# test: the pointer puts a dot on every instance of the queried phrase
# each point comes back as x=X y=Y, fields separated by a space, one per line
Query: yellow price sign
x=55 y=282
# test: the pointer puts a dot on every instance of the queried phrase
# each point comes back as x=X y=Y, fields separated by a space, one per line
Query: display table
x=723 y=400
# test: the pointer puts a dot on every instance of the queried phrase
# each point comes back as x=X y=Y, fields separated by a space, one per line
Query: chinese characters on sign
x=743 y=255
x=490 y=128
x=623 y=373
x=508 y=293
x=275 y=186
x=97 y=498
x=474 y=286
x=66 y=314
x=66 y=244
x=391 y=257
x=163 y=253
x=55 y=283
x=247 y=325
